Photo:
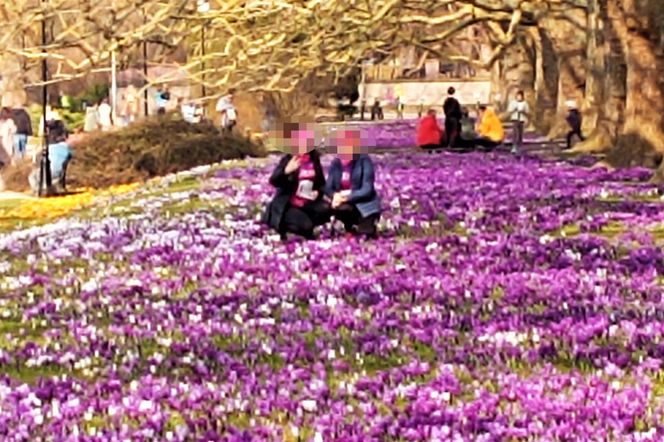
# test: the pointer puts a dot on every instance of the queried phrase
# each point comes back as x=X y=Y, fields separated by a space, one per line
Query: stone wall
x=432 y=93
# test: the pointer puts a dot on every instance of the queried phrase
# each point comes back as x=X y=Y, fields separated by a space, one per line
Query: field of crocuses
x=506 y=300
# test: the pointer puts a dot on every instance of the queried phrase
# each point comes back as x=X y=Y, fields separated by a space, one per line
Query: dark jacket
x=574 y=120
x=452 y=108
x=22 y=121
x=363 y=194
x=286 y=186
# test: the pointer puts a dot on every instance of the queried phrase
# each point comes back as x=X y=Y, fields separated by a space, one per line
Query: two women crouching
x=304 y=199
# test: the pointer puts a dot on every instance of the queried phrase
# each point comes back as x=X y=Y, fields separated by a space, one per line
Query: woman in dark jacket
x=350 y=185
x=299 y=205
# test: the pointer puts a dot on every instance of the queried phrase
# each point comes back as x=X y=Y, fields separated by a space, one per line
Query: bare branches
x=260 y=44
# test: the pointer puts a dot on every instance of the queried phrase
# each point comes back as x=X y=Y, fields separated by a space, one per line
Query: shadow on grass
x=67 y=193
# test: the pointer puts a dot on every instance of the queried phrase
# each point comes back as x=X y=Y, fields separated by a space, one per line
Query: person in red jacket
x=429 y=133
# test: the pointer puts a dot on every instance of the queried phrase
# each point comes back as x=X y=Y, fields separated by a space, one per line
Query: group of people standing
x=99 y=117
x=305 y=198
x=460 y=131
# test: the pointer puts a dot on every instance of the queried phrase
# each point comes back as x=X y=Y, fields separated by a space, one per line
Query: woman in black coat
x=298 y=205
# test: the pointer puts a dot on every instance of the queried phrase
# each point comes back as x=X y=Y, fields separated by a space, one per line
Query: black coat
x=286 y=186
x=574 y=120
x=22 y=121
x=452 y=108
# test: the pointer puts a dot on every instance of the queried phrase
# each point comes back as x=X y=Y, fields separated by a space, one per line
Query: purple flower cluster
x=399 y=134
x=505 y=300
x=392 y=134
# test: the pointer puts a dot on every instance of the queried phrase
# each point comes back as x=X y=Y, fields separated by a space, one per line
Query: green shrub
x=73 y=120
x=92 y=95
x=35 y=112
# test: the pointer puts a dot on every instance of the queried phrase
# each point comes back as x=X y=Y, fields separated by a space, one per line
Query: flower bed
x=395 y=134
x=34 y=210
x=505 y=300
x=383 y=134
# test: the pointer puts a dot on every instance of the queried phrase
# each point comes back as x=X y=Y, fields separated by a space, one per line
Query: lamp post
x=145 y=67
x=114 y=86
x=45 y=183
x=363 y=85
x=203 y=7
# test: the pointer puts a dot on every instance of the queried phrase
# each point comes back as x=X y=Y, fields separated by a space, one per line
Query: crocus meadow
x=399 y=134
x=506 y=299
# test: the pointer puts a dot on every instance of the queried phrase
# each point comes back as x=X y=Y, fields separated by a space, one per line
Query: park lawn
x=487 y=305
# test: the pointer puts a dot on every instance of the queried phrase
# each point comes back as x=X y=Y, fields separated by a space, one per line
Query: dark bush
x=153 y=147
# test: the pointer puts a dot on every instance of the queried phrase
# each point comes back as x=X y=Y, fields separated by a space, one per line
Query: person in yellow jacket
x=489 y=129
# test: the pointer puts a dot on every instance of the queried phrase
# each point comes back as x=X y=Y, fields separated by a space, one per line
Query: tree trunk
x=638 y=25
x=605 y=83
x=11 y=88
x=546 y=81
x=571 y=75
x=514 y=72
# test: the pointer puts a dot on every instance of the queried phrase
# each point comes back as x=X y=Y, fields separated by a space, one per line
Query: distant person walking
x=226 y=108
x=519 y=114
x=64 y=101
x=399 y=107
x=453 y=115
x=131 y=105
x=7 y=133
x=23 y=131
x=189 y=111
x=376 y=111
x=575 y=120
x=91 y=123
x=105 y=115
x=162 y=99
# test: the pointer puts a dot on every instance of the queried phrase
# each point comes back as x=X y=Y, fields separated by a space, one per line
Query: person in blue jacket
x=59 y=155
x=350 y=187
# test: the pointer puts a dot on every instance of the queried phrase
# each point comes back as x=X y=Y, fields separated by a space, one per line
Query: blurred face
x=519 y=97
x=348 y=145
x=302 y=141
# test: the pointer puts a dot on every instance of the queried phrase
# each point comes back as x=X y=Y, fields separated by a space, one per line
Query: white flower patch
x=506 y=337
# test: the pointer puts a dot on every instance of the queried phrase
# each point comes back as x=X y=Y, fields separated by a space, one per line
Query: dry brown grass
x=15 y=176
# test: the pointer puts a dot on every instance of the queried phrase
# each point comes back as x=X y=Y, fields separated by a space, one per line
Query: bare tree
x=274 y=45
